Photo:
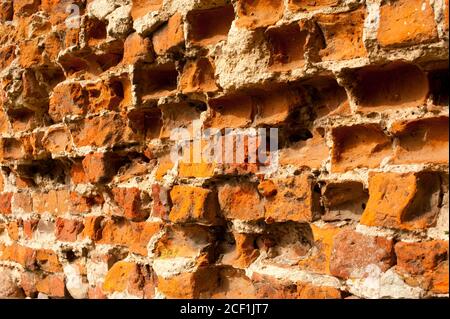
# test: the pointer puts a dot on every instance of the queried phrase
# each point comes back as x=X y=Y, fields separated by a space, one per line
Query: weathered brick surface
x=94 y=203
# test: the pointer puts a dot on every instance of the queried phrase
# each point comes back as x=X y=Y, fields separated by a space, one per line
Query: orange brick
x=191 y=241
x=295 y=200
x=101 y=131
x=209 y=26
x=189 y=285
x=136 y=48
x=310 y=153
x=52 y=285
x=75 y=99
x=359 y=146
x=77 y=174
x=230 y=111
x=424 y=264
x=169 y=36
x=13 y=230
x=257 y=14
x=193 y=204
x=320 y=258
x=343 y=35
x=242 y=253
x=421 y=141
x=392 y=86
x=138 y=280
x=198 y=76
x=48 y=260
x=404 y=201
x=22 y=255
x=92 y=227
x=406 y=22
x=135 y=236
x=241 y=201
x=100 y=167
x=142 y=7
x=308 y=5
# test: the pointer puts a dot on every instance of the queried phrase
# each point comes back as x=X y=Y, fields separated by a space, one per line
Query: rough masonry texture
x=91 y=205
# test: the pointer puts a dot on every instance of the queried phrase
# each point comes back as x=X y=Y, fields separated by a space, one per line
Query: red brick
x=29 y=226
x=11 y=149
x=4 y=123
x=7 y=55
x=13 y=230
x=353 y=252
x=92 y=227
x=160 y=206
x=28 y=283
x=274 y=106
x=68 y=229
x=95 y=31
x=155 y=81
x=120 y=277
x=319 y=258
x=343 y=200
x=310 y=153
x=135 y=236
x=31 y=54
x=178 y=115
x=5 y=203
x=77 y=174
x=131 y=202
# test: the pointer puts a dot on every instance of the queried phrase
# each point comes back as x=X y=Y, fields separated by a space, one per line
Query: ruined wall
x=92 y=206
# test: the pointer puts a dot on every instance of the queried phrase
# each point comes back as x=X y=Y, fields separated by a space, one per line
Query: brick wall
x=92 y=206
